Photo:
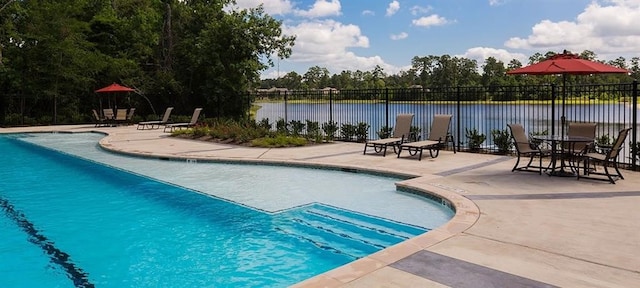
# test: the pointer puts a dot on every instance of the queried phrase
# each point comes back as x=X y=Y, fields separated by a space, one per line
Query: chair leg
x=517 y=162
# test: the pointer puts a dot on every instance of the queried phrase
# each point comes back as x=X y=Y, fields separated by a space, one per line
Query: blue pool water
x=69 y=221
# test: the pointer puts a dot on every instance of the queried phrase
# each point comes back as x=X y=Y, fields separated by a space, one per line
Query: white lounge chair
x=194 y=120
x=152 y=124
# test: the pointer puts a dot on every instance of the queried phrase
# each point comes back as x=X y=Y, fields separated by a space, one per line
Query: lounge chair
x=400 y=135
x=194 y=120
x=130 y=115
x=438 y=136
x=100 y=121
x=121 y=116
x=608 y=159
x=108 y=115
x=152 y=124
x=524 y=147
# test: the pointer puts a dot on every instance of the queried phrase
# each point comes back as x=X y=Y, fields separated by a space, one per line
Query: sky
x=360 y=34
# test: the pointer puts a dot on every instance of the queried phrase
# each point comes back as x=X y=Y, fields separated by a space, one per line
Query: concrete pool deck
x=510 y=230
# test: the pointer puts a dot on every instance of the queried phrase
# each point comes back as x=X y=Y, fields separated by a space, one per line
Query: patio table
x=558 y=165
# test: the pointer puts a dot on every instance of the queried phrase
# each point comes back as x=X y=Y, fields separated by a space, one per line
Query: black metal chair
x=524 y=148
x=609 y=159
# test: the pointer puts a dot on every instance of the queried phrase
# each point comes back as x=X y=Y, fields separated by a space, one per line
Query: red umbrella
x=566 y=63
x=113 y=88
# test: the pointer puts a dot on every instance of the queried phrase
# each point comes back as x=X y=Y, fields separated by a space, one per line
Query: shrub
x=330 y=128
x=384 y=132
x=296 y=127
x=362 y=131
x=475 y=139
x=347 y=130
x=502 y=139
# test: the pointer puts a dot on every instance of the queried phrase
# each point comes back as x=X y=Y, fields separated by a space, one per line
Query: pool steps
x=351 y=234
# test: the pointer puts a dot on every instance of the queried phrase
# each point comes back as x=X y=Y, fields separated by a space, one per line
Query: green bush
x=330 y=128
x=502 y=139
x=475 y=139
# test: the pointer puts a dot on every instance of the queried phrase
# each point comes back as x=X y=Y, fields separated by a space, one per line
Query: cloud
x=480 y=54
x=326 y=43
x=321 y=8
x=402 y=35
x=273 y=7
x=368 y=13
x=431 y=20
x=393 y=8
x=609 y=29
x=416 y=10
x=497 y=2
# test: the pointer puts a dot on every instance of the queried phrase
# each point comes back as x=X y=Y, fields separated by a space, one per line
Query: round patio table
x=558 y=165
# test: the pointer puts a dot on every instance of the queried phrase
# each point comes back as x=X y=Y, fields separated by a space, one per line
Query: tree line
x=184 y=53
x=447 y=71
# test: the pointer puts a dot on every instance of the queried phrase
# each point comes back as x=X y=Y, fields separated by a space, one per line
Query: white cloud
x=326 y=43
x=402 y=35
x=497 y=2
x=322 y=8
x=272 y=7
x=393 y=8
x=480 y=54
x=431 y=20
x=607 y=29
x=416 y=10
x=368 y=13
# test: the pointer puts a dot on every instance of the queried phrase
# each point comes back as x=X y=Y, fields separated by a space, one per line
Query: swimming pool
x=114 y=228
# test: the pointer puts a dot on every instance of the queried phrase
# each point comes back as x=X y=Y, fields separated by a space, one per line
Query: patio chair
x=107 y=114
x=610 y=158
x=121 y=116
x=400 y=135
x=573 y=152
x=525 y=148
x=100 y=121
x=194 y=120
x=130 y=115
x=438 y=136
x=163 y=121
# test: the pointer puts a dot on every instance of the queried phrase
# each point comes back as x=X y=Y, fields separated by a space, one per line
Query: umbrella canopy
x=567 y=63
x=114 y=88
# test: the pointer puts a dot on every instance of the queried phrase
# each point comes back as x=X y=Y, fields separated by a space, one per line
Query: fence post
x=458 y=112
x=386 y=107
x=286 y=120
x=553 y=109
x=330 y=106
x=634 y=116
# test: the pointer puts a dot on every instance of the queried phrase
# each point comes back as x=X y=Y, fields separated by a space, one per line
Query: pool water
x=70 y=221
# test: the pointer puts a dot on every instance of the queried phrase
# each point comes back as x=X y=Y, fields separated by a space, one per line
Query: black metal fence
x=539 y=108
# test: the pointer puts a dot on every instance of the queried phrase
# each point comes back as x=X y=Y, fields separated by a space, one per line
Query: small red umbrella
x=113 y=88
x=567 y=63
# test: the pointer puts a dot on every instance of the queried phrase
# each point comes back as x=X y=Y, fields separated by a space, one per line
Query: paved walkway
x=510 y=229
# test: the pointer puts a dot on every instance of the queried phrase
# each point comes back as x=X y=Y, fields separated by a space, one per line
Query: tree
x=493 y=72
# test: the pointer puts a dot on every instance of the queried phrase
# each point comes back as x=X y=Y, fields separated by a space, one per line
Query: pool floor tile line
x=59 y=257
x=461 y=274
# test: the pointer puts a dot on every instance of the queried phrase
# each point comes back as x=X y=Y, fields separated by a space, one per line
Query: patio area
x=510 y=230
